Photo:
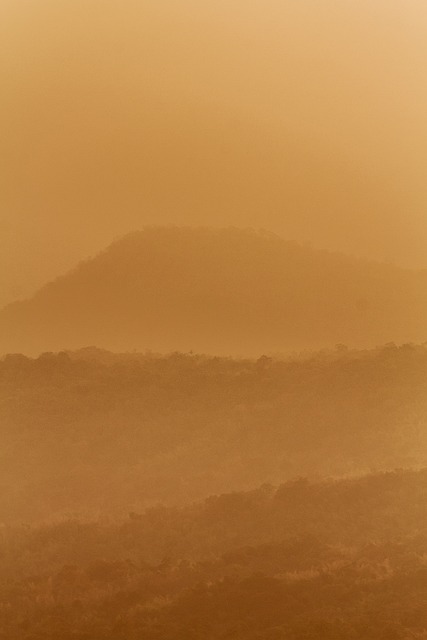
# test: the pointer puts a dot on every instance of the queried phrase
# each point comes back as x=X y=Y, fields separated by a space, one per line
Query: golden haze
x=210 y=431
x=305 y=118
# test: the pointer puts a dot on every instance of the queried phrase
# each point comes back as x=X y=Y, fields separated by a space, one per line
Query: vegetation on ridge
x=93 y=432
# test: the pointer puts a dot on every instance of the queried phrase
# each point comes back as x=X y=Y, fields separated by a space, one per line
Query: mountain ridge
x=218 y=290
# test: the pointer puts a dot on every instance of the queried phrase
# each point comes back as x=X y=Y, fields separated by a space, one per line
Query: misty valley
x=213 y=320
x=192 y=497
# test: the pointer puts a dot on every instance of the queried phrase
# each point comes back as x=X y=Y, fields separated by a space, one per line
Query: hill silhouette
x=224 y=291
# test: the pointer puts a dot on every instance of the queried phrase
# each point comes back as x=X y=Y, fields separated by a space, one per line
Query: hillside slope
x=224 y=291
x=306 y=561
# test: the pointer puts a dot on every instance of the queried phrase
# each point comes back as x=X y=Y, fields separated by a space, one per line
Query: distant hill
x=224 y=291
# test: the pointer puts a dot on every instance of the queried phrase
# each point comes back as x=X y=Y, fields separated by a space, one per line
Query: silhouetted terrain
x=209 y=431
x=220 y=291
x=92 y=432
x=324 y=561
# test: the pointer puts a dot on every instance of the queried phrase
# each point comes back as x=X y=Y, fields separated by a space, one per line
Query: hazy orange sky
x=305 y=117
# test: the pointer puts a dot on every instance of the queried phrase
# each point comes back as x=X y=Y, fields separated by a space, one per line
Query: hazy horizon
x=304 y=118
x=223 y=291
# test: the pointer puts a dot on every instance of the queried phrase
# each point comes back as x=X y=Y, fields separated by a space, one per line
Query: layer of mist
x=92 y=433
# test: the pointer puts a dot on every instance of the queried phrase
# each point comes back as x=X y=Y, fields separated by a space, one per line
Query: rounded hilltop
x=218 y=290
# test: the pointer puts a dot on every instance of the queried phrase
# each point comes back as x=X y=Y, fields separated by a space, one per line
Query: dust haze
x=213 y=320
x=303 y=118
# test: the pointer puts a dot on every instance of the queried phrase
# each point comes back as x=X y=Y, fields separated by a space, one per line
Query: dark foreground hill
x=220 y=291
x=333 y=560
x=93 y=432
